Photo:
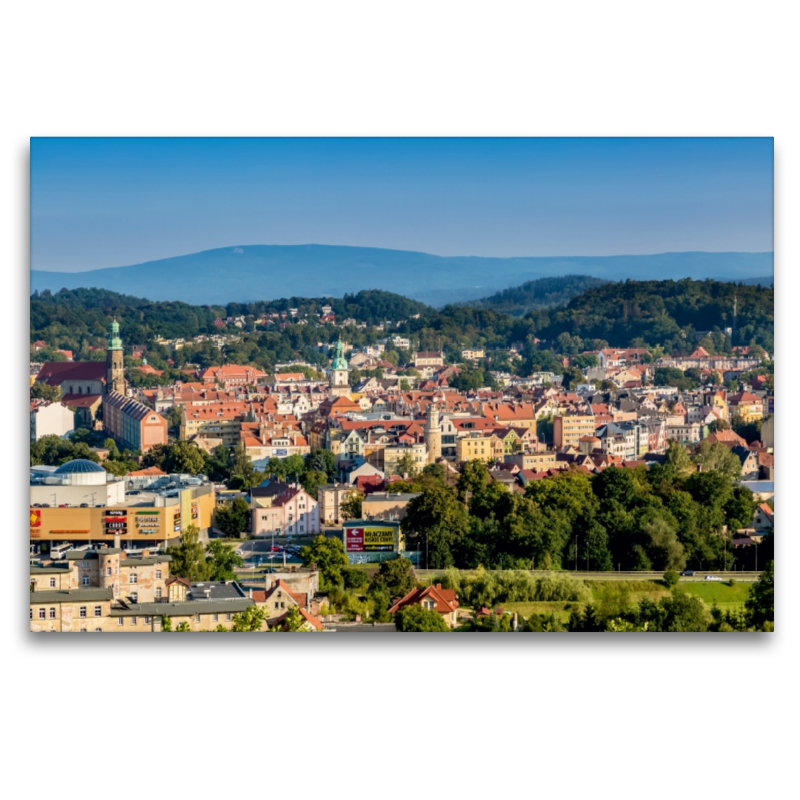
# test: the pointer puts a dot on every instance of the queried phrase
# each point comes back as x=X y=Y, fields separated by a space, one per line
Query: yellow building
x=538 y=462
x=749 y=407
x=482 y=448
x=143 y=519
x=568 y=429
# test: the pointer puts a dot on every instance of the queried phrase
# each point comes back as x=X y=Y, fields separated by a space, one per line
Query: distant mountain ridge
x=245 y=273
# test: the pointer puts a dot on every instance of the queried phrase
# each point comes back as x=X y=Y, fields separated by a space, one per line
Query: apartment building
x=568 y=429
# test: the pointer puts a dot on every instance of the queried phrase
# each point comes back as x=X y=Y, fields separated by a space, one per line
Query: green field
x=727 y=598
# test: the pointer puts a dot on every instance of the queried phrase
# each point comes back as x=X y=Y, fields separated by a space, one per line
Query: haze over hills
x=247 y=273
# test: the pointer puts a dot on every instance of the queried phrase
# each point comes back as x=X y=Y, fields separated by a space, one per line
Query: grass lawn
x=726 y=597
x=524 y=610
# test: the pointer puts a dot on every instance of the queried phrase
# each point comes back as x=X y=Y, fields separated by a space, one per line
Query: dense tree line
x=663 y=316
x=667 y=517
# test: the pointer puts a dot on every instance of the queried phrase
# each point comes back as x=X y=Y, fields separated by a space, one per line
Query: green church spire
x=339 y=361
x=114 y=342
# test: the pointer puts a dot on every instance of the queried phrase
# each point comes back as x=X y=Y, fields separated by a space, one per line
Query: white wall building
x=50 y=419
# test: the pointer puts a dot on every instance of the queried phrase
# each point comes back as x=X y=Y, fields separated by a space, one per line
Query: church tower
x=340 y=376
x=115 y=374
x=433 y=434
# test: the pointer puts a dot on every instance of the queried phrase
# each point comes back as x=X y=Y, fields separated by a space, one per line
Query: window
x=134 y=597
x=82 y=611
x=133 y=578
x=276 y=605
x=85 y=580
x=158 y=592
x=98 y=630
x=31 y=613
x=216 y=617
x=147 y=620
x=120 y=621
x=83 y=630
x=197 y=618
x=108 y=571
x=133 y=620
x=158 y=574
x=52 y=583
x=98 y=611
x=52 y=613
x=42 y=613
x=227 y=617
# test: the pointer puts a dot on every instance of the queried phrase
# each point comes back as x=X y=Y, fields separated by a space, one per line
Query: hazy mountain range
x=246 y=273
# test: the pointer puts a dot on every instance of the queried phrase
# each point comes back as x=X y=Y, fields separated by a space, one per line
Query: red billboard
x=354 y=540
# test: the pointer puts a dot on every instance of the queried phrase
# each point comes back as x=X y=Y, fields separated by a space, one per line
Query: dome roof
x=78 y=465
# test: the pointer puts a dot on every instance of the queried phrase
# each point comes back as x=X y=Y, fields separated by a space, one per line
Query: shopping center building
x=80 y=503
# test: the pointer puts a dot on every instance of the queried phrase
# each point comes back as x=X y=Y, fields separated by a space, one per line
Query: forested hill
x=665 y=313
x=664 y=316
x=540 y=293
x=72 y=315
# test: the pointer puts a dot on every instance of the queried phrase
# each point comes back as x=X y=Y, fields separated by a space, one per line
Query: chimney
x=439 y=586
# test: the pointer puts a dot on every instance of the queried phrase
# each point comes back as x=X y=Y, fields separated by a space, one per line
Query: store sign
x=116 y=512
x=366 y=540
x=280 y=452
x=117 y=525
x=36 y=518
x=150 y=513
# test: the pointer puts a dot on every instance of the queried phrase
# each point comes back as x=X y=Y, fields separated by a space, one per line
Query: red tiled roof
x=54 y=373
x=445 y=599
x=80 y=400
x=145 y=472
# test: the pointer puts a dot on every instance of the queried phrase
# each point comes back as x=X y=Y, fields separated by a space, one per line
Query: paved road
x=387 y=628
x=424 y=574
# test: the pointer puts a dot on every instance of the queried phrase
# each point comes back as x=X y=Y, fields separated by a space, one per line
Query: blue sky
x=111 y=202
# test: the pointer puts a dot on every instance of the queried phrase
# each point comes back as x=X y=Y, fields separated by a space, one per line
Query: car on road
x=688 y=572
x=712 y=578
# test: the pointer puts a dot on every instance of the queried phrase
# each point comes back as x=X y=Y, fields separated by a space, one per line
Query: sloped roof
x=445 y=599
x=54 y=373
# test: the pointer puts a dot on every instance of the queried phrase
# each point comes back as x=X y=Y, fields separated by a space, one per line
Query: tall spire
x=339 y=361
x=114 y=342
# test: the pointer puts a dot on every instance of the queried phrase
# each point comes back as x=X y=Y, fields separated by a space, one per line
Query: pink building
x=293 y=512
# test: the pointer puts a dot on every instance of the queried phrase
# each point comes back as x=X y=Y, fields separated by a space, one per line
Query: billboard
x=369 y=540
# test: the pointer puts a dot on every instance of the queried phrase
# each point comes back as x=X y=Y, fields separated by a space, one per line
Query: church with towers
x=130 y=423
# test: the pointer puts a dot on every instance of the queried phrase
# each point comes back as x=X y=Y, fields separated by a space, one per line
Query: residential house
x=432 y=598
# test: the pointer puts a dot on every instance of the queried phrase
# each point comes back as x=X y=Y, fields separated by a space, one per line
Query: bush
x=671 y=579
x=354 y=578
x=418 y=619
